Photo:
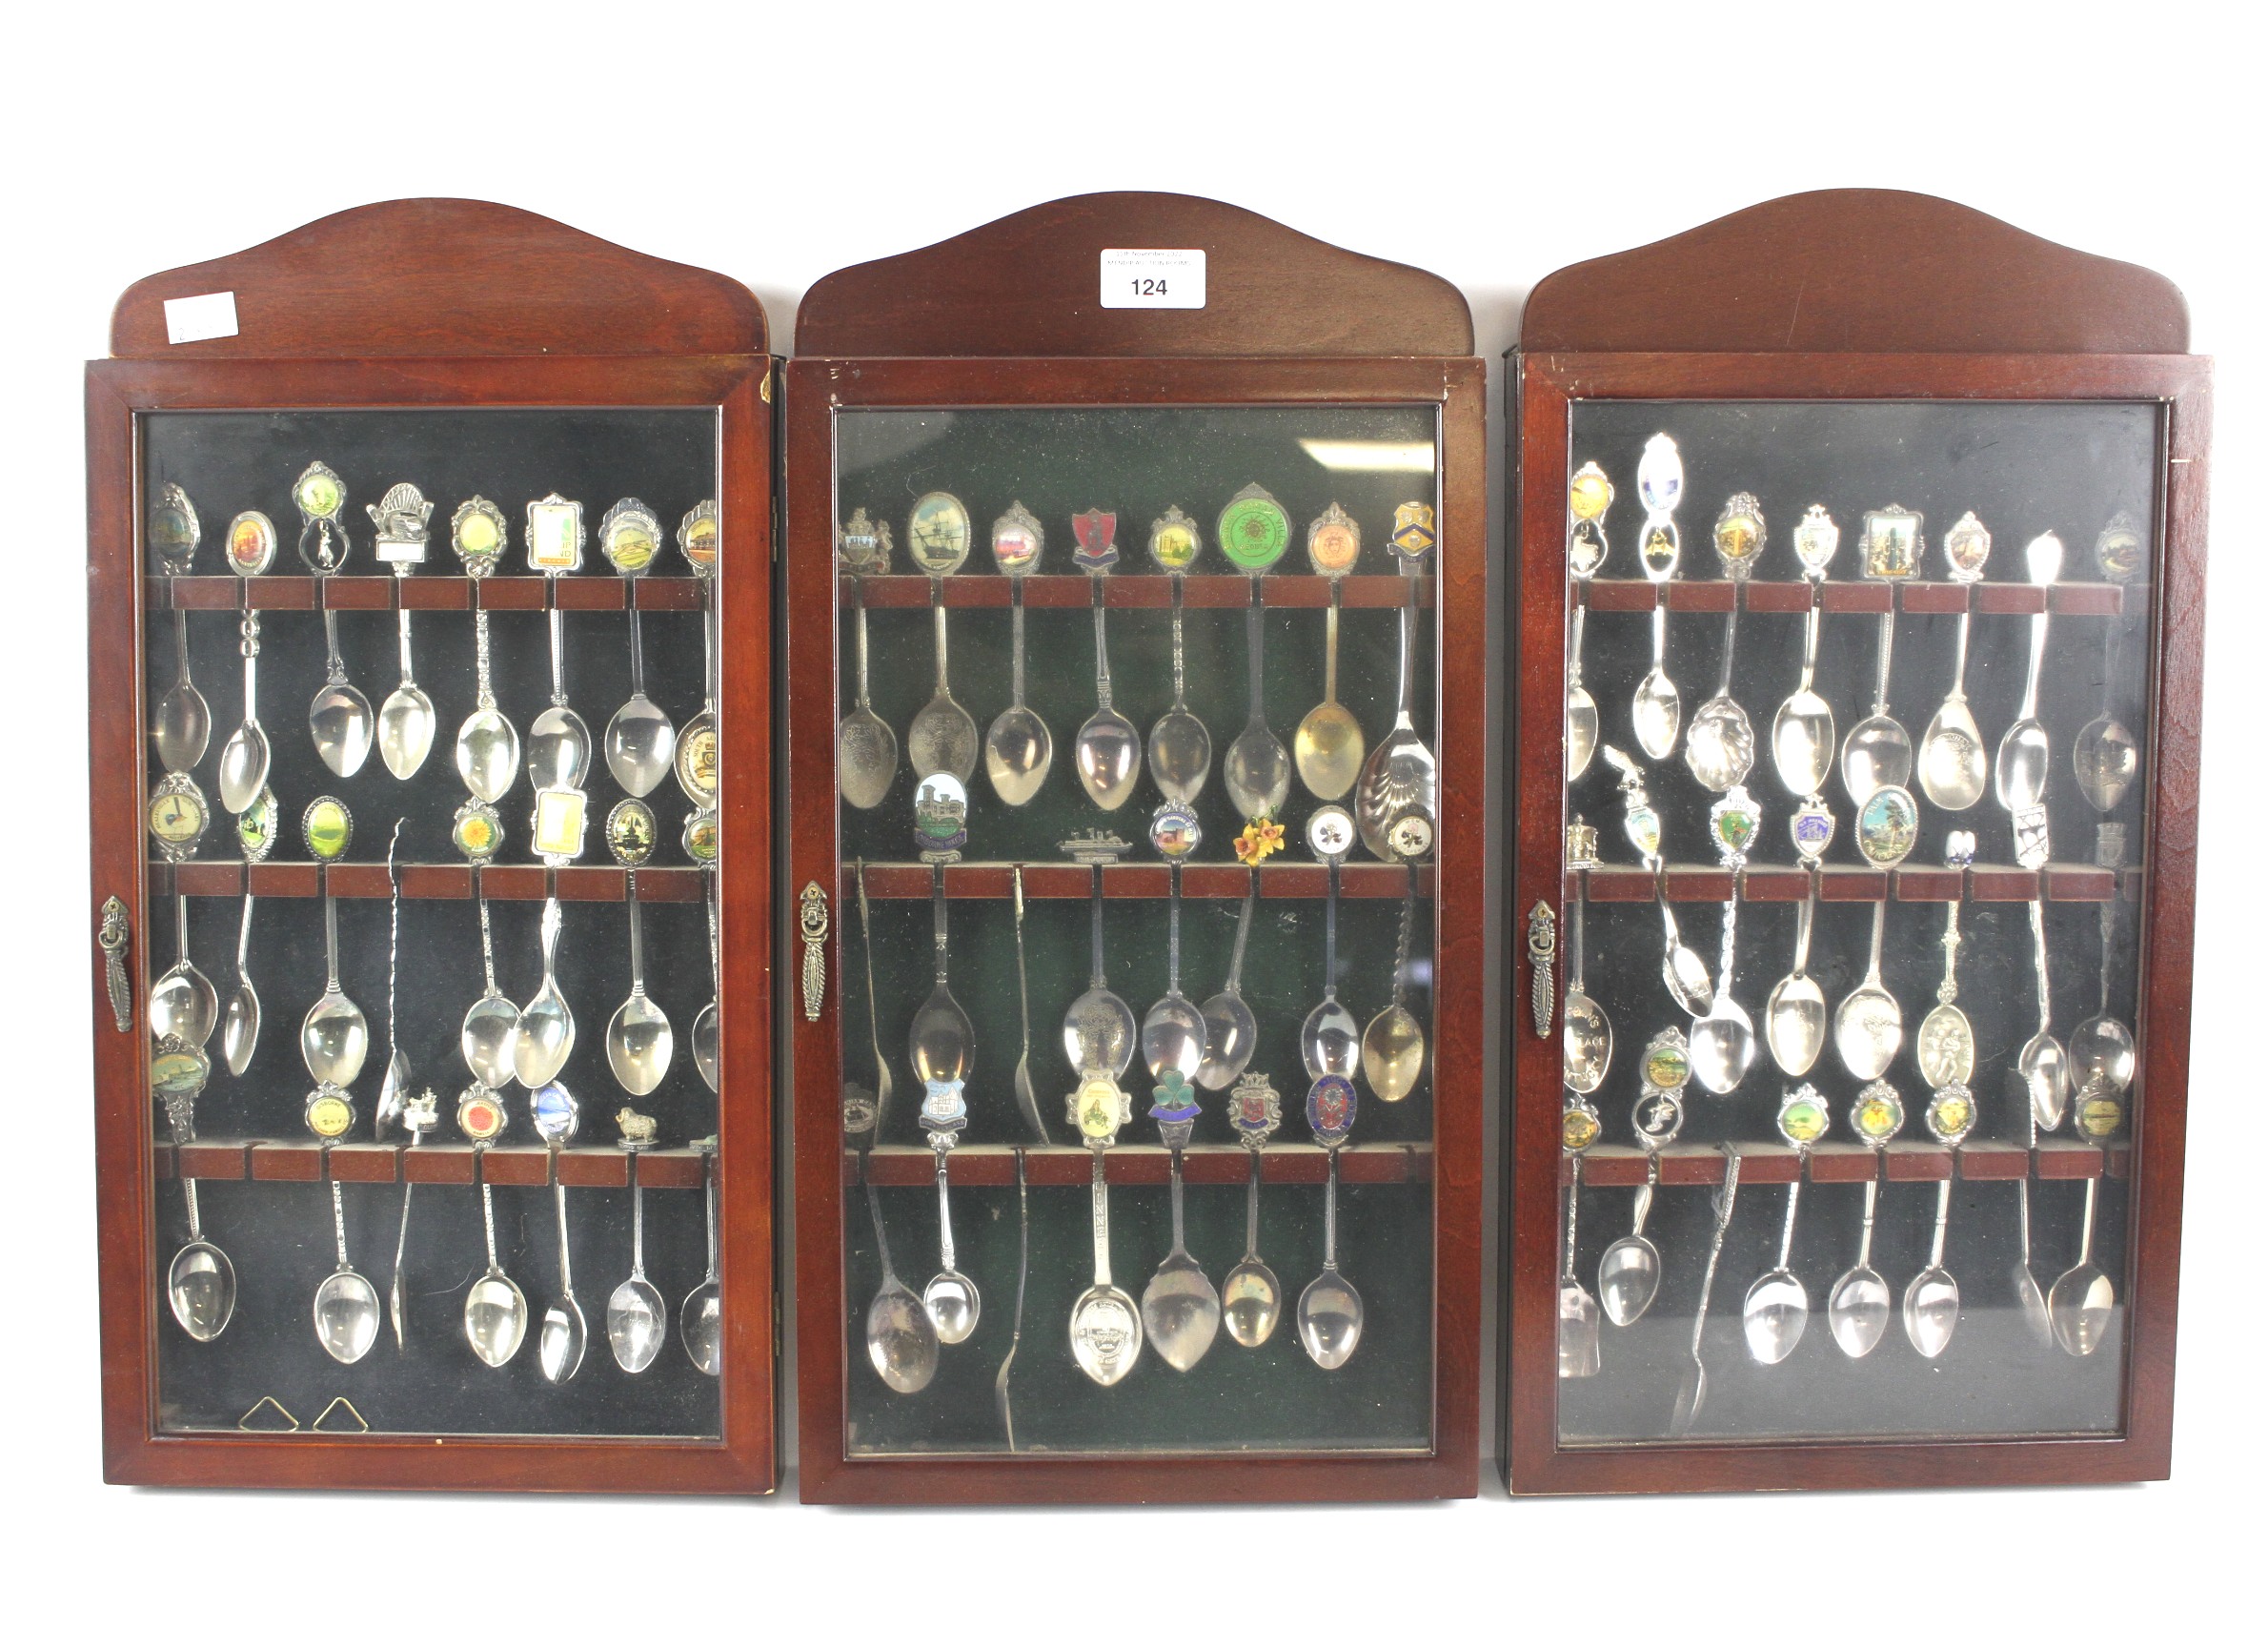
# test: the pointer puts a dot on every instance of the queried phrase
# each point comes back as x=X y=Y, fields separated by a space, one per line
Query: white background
x=1492 y=144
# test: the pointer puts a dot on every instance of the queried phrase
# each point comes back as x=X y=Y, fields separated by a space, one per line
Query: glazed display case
x=1858 y=613
x=1135 y=575
x=429 y=557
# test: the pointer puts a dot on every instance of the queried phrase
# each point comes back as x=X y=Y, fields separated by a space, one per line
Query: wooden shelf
x=425 y=592
x=517 y=1166
x=993 y=1166
x=1987 y=600
x=1151 y=589
x=1622 y=1165
x=1057 y=880
x=576 y=884
x=1843 y=884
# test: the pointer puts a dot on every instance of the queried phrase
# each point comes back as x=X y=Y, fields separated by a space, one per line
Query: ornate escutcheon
x=811 y=921
x=1542 y=946
x=111 y=936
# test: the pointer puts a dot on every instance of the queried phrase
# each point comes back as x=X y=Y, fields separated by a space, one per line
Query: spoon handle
x=638 y=941
x=1251 y=1206
x=487 y=954
x=488 y=1220
x=402 y=641
x=558 y=1193
x=936 y=917
x=1330 y=650
x=1866 y=1221
x=559 y=651
x=181 y=648
x=1874 y=945
x=1567 y=1261
x=248 y=643
x=1732 y=632
x=1244 y=930
x=945 y=1214
x=1575 y=638
x=1024 y=997
x=637 y=646
x=638 y=1220
x=2039 y=957
x=1795 y=1199
x=708 y=1183
x=858 y=627
x=1173 y=931
x=1409 y=920
x=1937 y=1234
x=1960 y=657
x=1889 y=628
x=1642 y=1203
x=335 y=667
x=1330 y=1212
x=1255 y=633
x=1176 y=1160
x=882 y=1242
x=1015 y=644
x=1727 y=1194
x=1024 y=1264
x=1101 y=1213
x=1102 y=653
x=1095 y=936
x=937 y=621
x=329 y=935
x=1811 y=639
x=874 y=1027
x=484 y=695
x=1805 y=913
x=1409 y=636
x=1330 y=932
x=1180 y=681
x=339 y=1215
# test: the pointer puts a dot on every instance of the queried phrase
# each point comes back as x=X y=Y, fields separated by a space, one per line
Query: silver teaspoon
x=1578 y=1310
x=1327 y=744
x=865 y=748
x=2083 y=1302
x=1589 y=495
x=1019 y=749
x=346 y=1305
x=2020 y=767
x=405 y=718
x=183 y=1003
x=901 y=1340
x=1401 y=776
x=942 y=736
x=1869 y=1026
x=1180 y=750
x=1181 y=1311
x=700 y=1318
x=181 y=722
x=637 y=1319
x=641 y=740
x=1656 y=708
x=1107 y=751
x=1251 y=1297
x=544 y=1033
x=1257 y=769
x=240 y=1021
x=1105 y=1326
x=1933 y=1302
x=1230 y=1030
x=1952 y=757
x=244 y=759
x=487 y=744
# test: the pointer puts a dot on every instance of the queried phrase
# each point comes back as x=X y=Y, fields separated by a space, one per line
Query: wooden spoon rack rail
x=1920 y=596
x=993 y=1166
x=576 y=884
x=505 y=1164
x=1137 y=589
x=1623 y=1166
x=1838 y=883
x=424 y=592
x=1057 y=880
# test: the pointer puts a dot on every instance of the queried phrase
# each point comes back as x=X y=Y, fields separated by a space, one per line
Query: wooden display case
x=1876 y=355
x=998 y=372
x=463 y=348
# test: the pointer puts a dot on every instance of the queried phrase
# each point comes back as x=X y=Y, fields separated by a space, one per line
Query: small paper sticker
x=213 y=315
x=1153 y=277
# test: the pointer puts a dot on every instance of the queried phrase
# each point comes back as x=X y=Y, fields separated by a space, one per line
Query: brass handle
x=811 y=920
x=111 y=938
x=1543 y=946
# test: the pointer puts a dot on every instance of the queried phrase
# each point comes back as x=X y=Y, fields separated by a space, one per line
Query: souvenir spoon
x=405 y=718
x=334 y=1036
x=1858 y=1303
x=544 y=1033
x=1394 y=1042
x=1018 y=747
x=490 y=1036
x=1107 y=751
x=708 y=1023
x=1251 y=1297
x=1401 y=778
x=1877 y=753
x=1631 y=1268
x=1803 y=729
x=2083 y=1301
x=2020 y=767
x=487 y=742
x=865 y=748
x=640 y=1043
x=1720 y=745
x=1173 y=1031
x=1589 y=494
x=1328 y=745
x=1231 y=1030
x=1933 y=1303
x=1329 y=1041
x=1181 y=1311
x=181 y=724
x=172 y=531
x=1180 y=750
x=874 y=1032
x=1253 y=533
x=1331 y=1310
x=1654 y=704
x=700 y=1318
x=1945 y=1046
x=1105 y=1326
x=641 y=740
x=241 y=1022
x=1683 y=974
x=346 y=1305
x=2042 y=1063
x=200 y=1282
x=1099 y=1029
x=562 y=1333
x=940 y=1044
x=558 y=742
x=1724 y=1038
x=393 y=1086
x=1026 y=1099
x=339 y=719
x=1693 y=1390
x=1795 y=1016
x=1869 y=1026
x=1777 y=1309
x=637 y=1319
x=1952 y=757
x=420 y=1113
x=942 y=738
x=2104 y=758
x=1578 y=1310
x=2102 y=1048
x=244 y=759
x=696 y=762
x=183 y=1005
x=495 y=1311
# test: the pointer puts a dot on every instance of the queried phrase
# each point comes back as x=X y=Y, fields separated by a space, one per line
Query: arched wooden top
x=1856 y=271
x=442 y=279
x=1028 y=285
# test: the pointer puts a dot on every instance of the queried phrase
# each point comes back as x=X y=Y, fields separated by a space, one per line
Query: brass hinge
x=811 y=919
x=111 y=938
x=1543 y=946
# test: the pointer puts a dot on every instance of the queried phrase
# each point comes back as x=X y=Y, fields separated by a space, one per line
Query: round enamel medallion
x=1253 y=530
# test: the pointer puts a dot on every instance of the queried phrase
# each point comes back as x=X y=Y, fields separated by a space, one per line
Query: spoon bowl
x=1655 y=710
x=1018 y=752
x=184 y=1004
x=1630 y=1274
x=2080 y=1307
x=705 y=1028
x=641 y=742
x=1230 y=1034
x=1952 y=757
x=640 y=1045
x=487 y=754
x=244 y=765
x=1773 y=1317
x=1173 y=1036
x=1932 y=1309
x=496 y=1317
x=1868 y=1028
x=335 y=1038
x=700 y=1322
x=1257 y=771
x=2105 y=759
x=1109 y=756
x=1795 y=1024
x=339 y=721
x=2020 y=767
x=1330 y=1040
x=201 y=1289
x=1802 y=737
x=1251 y=1302
x=1582 y=731
x=2031 y=1304
x=181 y=726
x=1877 y=754
x=1724 y=1044
x=637 y=1323
x=560 y=1340
x=1720 y=746
x=543 y=1036
x=1180 y=754
x=346 y=1315
x=1394 y=1053
x=1106 y=1334
x=1578 y=1329
x=558 y=750
x=240 y=1025
x=954 y=1306
x=1181 y=1311
x=867 y=757
x=943 y=739
x=405 y=730
x=1099 y=1033
x=2046 y=1072
x=1329 y=749
x=2102 y=1054
x=1858 y=1311
x=488 y=1039
x=1331 y=1319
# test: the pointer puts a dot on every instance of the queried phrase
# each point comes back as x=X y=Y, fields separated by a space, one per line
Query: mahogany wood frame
x=1543 y=387
x=816 y=390
x=446 y=323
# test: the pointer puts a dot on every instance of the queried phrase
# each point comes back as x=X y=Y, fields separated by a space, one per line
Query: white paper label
x=1153 y=277
x=194 y=319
